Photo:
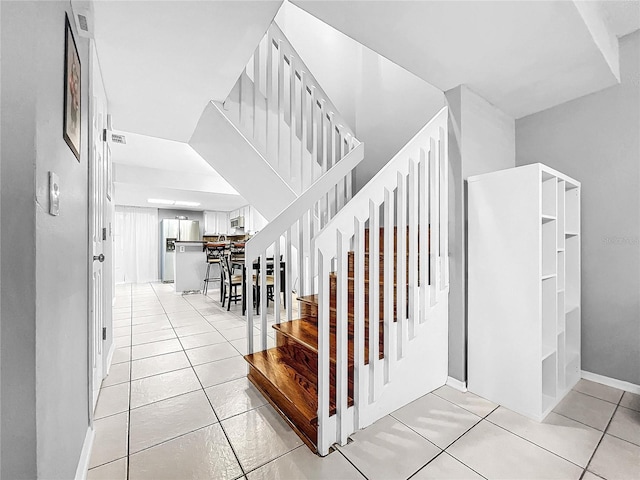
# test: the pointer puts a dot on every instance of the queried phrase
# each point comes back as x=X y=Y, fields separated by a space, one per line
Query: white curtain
x=137 y=244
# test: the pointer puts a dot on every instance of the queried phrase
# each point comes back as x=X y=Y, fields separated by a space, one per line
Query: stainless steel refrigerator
x=175 y=230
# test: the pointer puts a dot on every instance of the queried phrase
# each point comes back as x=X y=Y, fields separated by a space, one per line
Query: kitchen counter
x=190 y=266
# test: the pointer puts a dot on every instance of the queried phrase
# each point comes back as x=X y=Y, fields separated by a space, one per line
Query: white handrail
x=374 y=189
x=265 y=237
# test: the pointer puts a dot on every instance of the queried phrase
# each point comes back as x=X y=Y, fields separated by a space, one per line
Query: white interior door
x=97 y=233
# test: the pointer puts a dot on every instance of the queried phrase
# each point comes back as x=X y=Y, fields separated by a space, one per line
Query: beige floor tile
x=122 y=342
x=209 y=310
x=152 y=326
x=148 y=319
x=241 y=344
x=167 y=419
x=603 y=392
x=118 y=373
x=149 y=366
x=222 y=371
x=232 y=398
x=122 y=323
x=203 y=454
x=177 y=307
x=445 y=467
x=631 y=400
x=211 y=353
x=201 y=340
x=111 y=471
x=146 y=312
x=120 y=355
x=586 y=409
x=567 y=438
x=438 y=420
x=301 y=463
x=225 y=323
x=235 y=333
x=110 y=442
x=389 y=449
x=498 y=454
x=467 y=400
x=112 y=400
x=616 y=459
x=202 y=327
x=626 y=425
x=258 y=436
x=150 y=337
x=152 y=389
x=155 y=348
x=121 y=331
x=178 y=316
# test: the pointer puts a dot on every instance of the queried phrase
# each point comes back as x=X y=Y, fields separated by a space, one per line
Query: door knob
x=100 y=258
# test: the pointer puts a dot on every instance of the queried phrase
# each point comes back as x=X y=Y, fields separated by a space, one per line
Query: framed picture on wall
x=72 y=99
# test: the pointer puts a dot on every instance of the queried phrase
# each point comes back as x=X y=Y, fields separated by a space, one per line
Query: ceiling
x=148 y=167
x=622 y=17
x=162 y=61
x=521 y=56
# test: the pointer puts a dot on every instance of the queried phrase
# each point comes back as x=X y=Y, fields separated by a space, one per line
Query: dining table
x=238 y=263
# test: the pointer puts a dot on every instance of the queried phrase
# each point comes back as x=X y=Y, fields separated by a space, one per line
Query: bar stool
x=214 y=252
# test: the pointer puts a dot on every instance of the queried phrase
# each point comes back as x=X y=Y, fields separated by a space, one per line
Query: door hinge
x=104 y=233
x=104 y=333
x=104 y=135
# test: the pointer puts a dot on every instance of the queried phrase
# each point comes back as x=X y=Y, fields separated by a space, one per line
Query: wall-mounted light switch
x=181 y=249
x=54 y=194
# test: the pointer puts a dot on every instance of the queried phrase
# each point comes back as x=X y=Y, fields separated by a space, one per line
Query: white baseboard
x=457 y=384
x=85 y=455
x=611 y=382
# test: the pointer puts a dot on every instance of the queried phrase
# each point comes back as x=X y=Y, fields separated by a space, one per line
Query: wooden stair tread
x=297 y=383
x=305 y=332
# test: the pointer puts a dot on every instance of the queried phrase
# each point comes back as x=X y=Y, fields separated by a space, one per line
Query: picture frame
x=72 y=116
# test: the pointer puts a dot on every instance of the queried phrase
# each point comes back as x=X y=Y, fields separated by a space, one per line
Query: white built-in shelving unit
x=524 y=287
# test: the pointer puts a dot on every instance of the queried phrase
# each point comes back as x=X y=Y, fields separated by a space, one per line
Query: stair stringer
x=233 y=156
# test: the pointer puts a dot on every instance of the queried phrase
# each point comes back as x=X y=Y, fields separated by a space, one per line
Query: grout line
x=604 y=432
x=130 y=368
x=211 y=405
x=602 y=399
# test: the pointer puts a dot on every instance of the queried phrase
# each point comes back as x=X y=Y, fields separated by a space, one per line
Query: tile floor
x=177 y=405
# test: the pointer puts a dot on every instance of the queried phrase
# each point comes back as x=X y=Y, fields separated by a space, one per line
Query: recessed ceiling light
x=160 y=201
x=187 y=204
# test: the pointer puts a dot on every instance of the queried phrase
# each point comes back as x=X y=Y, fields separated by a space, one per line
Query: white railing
x=292 y=233
x=411 y=192
x=279 y=106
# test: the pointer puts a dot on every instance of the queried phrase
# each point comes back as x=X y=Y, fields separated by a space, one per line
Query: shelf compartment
x=561 y=363
x=572 y=211
x=561 y=214
x=561 y=313
x=549 y=196
x=549 y=380
x=548 y=248
x=572 y=370
x=549 y=314
x=560 y=270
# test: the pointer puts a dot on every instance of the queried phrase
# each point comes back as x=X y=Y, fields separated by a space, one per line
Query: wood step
x=292 y=388
x=305 y=333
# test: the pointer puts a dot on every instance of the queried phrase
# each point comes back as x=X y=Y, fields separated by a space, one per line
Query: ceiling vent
x=83 y=18
x=115 y=138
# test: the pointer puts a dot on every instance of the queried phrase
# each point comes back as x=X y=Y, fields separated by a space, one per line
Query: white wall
x=595 y=139
x=44 y=269
x=481 y=140
x=385 y=104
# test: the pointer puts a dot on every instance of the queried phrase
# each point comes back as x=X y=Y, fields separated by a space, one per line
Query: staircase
x=351 y=355
x=287 y=375
x=369 y=271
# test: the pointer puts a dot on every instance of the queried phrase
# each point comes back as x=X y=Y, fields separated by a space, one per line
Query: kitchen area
x=184 y=236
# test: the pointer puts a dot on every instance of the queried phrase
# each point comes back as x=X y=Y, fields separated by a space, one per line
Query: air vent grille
x=118 y=139
x=83 y=23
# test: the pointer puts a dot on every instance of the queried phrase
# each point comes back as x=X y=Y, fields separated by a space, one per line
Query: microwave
x=237 y=222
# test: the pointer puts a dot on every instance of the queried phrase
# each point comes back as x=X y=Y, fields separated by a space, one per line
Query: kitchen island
x=190 y=266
